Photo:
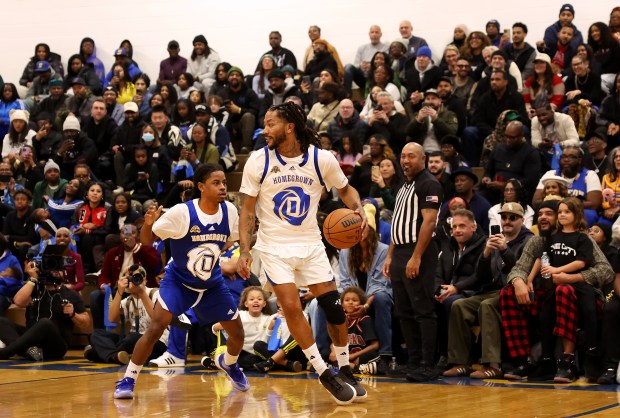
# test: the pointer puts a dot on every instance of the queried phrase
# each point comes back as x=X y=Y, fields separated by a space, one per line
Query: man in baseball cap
x=171 y=67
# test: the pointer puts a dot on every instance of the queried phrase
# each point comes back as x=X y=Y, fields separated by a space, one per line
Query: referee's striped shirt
x=423 y=192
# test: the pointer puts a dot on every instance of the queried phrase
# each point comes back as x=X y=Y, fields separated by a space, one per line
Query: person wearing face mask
x=156 y=151
x=75 y=146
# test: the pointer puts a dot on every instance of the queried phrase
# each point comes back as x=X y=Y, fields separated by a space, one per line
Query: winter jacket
x=461 y=271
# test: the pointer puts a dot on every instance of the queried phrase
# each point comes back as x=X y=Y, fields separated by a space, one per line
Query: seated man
x=567 y=14
x=76 y=146
x=281 y=55
x=347 y=123
x=51 y=187
x=389 y=123
x=122 y=57
x=514 y=158
x=499 y=256
x=432 y=122
x=106 y=347
x=582 y=183
x=276 y=94
x=520 y=52
x=550 y=130
x=437 y=167
x=489 y=108
x=171 y=67
x=82 y=100
x=130 y=252
x=326 y=109
x=414 y=42
x=358 y=71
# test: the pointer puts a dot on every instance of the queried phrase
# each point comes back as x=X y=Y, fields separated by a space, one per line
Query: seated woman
x=383 y=59
x=386 y=180
x=201 y=150
x=543 y=87
x=583 y=84
x=260 y=84
x=77 y=67
x=9 y=100
x=370 y=104
x=472 y=49
x=143 y=95
x=52 y=310
x=123 y=84
x=183 y=116
x=141 y=177
x=601 y=234
x=606 y=51
x=513 y=192
x=19 y=134
x=120 y=213
x=168 y=95
x=88 y=225
x=378 y=150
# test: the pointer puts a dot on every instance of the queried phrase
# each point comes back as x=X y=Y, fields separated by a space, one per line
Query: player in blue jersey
x=198 y=230
x=282 y=184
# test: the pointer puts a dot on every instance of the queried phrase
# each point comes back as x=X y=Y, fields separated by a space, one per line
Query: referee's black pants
x=413 y=302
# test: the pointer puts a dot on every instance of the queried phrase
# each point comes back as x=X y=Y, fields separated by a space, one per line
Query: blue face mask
x=148 y=137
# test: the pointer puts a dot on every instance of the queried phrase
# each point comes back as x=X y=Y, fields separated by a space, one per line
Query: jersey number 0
x=202 y=259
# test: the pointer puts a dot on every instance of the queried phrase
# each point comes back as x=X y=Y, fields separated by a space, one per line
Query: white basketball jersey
x=288 y=191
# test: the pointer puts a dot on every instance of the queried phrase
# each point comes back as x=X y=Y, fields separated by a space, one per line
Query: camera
x=135 y=275
x=378 y=108
x=51 y=264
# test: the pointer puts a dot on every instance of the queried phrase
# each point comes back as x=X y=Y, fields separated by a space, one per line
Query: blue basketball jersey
x=195 y=257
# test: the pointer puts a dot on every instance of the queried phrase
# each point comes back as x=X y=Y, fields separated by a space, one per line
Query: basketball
x=342 y=228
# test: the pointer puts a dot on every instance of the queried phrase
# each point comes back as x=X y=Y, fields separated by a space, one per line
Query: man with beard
x=489 y=108
x=515 y=158
x=39 y=89
x=464 y=181
x=322 y=60
x=326 y=109
x=288 y=237
x=436 y=166
x=242 y=104
x=550 y=127
x=567 y=14
x=498 y=257
x=102 y=130
x=76 y=147
x=521 y=302
x=202 y=64
x=411 y=263
x=464 y=83
x=347 y=123
x=281 y=56
x=520 y=52
x=276 y=94
x=596 y=158
x=445 y=90
x=582 y=183
x=82 y=100
x=47 y=138
x=127 y=137
x=432 y=122
x=114 y=109
x=497 y=61
x=562 y=52
x=54 y=104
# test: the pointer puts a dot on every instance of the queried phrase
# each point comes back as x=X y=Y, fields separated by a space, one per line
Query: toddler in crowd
x=363 y=342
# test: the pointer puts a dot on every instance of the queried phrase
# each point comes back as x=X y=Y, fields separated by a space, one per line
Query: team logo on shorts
x=291 y=205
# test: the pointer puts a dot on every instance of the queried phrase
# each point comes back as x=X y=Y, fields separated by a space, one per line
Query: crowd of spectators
x=508 y=128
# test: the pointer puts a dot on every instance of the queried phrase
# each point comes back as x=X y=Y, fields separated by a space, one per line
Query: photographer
x=138 y=309
x=116 y=261
x=52 y=310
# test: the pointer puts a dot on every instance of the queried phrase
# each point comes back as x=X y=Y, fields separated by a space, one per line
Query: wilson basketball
x=342 y=228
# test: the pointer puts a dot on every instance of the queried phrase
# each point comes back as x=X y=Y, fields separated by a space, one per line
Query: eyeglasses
x=511 y=218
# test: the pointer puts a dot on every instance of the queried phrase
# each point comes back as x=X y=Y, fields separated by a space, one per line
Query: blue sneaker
x=234 y=374
x=124 y=388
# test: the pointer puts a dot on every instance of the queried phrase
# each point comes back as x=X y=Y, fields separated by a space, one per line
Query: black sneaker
x=522 y=372
x=545 y=370
x=90 y=354
x=293 y=366
x=565 y=373
x=424 y=373
x=34 y=353
x=401 y=371
x=264 y=366
x=592 y=365
x=342 y=392
x=346 y=375
x=607 y=378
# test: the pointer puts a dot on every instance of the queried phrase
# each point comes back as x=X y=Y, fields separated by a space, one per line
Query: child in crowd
x=218 y=110
x=255 y=315
x=326 y=143
x=570 y=251
x=348 y=154
x=281 y=349
x=363 y=342
x=183 y=116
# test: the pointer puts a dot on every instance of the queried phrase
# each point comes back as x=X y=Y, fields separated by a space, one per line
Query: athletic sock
x=229 y=359
x=133 y=370
x=342 y=355
x=314 y=357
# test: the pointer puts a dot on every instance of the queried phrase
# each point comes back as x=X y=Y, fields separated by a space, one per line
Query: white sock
x=314 y=357
x=133 y=370
x=342 y=355
x=229 y=359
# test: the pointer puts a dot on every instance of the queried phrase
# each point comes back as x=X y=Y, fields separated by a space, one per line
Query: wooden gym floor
x=76 y=388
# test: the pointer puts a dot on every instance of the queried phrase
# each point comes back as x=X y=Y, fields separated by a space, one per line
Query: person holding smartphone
x=503 y=248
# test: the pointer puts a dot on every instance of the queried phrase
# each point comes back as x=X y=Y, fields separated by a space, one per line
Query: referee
x=411 y=263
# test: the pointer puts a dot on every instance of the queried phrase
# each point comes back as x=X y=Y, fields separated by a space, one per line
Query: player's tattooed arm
x=250 y=223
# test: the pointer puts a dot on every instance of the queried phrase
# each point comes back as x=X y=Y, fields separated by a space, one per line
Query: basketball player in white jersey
x=282 y=184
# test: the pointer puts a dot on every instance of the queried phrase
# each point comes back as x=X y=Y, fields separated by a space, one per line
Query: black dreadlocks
x=294 y=114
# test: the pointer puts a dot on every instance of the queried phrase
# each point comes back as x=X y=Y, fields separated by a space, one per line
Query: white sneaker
x=167 y=360
x=2 y=344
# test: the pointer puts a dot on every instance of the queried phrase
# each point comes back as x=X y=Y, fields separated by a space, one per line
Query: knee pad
x=330 y=302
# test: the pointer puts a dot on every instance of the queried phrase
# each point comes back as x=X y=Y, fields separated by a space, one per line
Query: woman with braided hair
x=286 y=181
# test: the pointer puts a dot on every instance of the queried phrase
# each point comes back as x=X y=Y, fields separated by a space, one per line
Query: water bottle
x=393 y=364
x=544 y=260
